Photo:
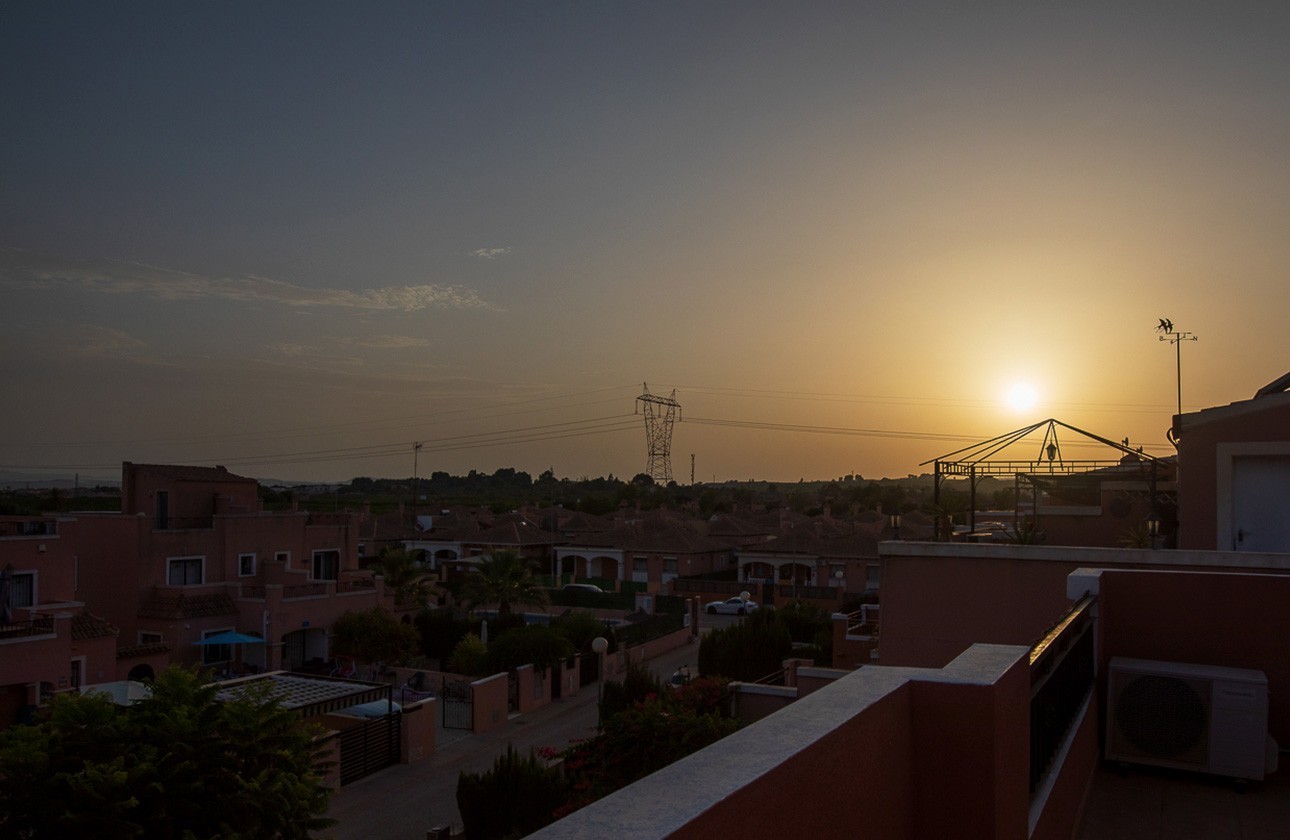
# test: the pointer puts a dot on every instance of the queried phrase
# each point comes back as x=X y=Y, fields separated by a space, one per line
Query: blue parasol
x=231 y=637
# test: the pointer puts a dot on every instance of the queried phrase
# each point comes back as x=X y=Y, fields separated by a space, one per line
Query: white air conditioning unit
x=1191 y=717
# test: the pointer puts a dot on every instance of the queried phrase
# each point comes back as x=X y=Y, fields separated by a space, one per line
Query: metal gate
x=372 y=745
x=458 y=701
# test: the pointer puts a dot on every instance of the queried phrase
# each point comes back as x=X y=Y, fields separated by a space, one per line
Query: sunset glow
x=1021 y=397
x=296 y=240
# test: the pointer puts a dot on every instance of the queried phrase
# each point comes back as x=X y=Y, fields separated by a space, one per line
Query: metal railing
x=1061 y=678
x=29 y=528
x=185 y=523
x=304 y=590
x=39 y=625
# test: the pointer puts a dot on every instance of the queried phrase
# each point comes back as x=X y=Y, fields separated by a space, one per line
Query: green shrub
x=469 y=657
x=638 y=684
x=516 y=797
x=747 y=651
x=803 y=620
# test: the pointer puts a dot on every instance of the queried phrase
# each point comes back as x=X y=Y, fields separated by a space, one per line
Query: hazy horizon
x=294 y=239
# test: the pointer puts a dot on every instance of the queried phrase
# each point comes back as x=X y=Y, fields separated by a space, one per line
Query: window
x=640 y=564
x=215 y=654
x=78 y=671
x=282 y=557
x=149 y=638
x=326 y=565
x=246 y=565
x=669 y=565
x=184 y=571
x=163 y=509
x=22 y=590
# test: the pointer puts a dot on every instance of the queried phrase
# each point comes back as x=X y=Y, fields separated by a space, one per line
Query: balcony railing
x=305 y=590
x=358 y=584
x=185 y=523
x=29 y=528
x=328 y=519
x=40 y=625
x=1061 y=677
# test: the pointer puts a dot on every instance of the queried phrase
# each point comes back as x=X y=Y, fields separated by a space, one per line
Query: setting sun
x=1021 y=396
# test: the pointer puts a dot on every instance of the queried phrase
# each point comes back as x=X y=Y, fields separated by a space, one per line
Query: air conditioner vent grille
x=1163 y=717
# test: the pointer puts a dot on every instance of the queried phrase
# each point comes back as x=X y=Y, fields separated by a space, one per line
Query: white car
x=731 y=606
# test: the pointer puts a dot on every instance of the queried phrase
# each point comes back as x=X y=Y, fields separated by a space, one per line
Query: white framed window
x=185 y=571
x=246 y=564
x=282 y=557
x=215 y=654
x=147 y=637
x=22 y=589
x=326 y=564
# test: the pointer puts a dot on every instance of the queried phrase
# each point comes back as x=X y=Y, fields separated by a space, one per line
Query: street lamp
x=600 y=644
x=895 y=525
x=1153 y=527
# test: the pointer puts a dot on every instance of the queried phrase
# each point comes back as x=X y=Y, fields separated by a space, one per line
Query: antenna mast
x=660 y=413
x=1176 y=338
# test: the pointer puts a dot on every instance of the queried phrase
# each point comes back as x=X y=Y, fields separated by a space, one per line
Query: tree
x=469 y=657
x=505 y=579
x=747 y=651
x=178 y=764
x=404 y=575
x=374 y=636
x=516 y=797
x=537 y=644
x=581 y=628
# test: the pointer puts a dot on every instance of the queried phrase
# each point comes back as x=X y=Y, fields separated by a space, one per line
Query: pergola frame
x=977 y=461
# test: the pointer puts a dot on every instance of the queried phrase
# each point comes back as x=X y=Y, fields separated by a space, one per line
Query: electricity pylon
x=660 y=413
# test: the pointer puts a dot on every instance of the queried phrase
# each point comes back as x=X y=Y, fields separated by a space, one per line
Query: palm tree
x=505 y=579
x=404 y=575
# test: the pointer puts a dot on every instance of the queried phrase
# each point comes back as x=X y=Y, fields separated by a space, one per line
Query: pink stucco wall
x=868 y=755
x=417 y=731
x=1198 y=461
x=938 y=598
x=1232 y=620
x=490 y=702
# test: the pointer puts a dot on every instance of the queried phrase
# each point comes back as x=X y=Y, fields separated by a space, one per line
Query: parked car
x=731 y=606
x=582 y=587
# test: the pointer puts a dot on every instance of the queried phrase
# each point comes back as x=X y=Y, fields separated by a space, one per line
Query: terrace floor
x=1147 y=803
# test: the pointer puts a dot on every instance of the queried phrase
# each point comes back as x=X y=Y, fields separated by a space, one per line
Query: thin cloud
x=385 y=342
x=21 y=268
x=490 y=253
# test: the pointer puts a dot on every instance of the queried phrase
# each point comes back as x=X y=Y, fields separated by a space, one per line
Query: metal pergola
x=1048 y=470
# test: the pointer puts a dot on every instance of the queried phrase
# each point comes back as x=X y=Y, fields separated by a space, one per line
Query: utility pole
x=1176 y=338
x=691 y=468
x=416 y=450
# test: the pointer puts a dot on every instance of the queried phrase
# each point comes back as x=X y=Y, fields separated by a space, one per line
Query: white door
x=1260 y=503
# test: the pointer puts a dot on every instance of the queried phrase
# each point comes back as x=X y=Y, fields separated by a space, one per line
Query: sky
x=297 y=239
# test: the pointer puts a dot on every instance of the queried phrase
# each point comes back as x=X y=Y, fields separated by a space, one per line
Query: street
x=406 y=800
